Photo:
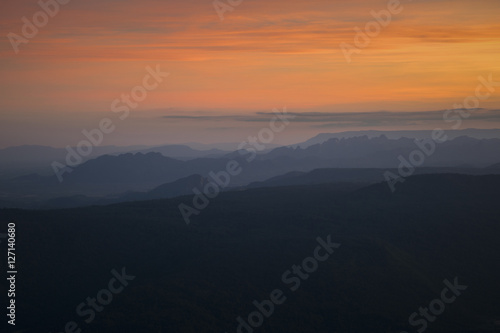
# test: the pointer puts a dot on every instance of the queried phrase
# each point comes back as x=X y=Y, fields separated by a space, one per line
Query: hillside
x=395 y=252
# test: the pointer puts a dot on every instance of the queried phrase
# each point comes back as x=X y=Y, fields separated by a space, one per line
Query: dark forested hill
x=396 y=251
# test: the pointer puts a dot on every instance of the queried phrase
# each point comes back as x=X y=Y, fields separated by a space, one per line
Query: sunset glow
x=264 y=54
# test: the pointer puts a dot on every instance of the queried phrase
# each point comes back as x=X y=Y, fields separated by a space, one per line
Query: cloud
x=349 y=119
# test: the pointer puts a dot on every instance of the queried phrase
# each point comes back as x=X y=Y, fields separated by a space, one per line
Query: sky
x=226 y=76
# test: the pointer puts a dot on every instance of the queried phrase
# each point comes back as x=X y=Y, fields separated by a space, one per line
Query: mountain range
x=113 y=177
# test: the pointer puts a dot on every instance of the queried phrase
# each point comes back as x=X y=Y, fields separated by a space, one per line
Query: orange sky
x=264 y=54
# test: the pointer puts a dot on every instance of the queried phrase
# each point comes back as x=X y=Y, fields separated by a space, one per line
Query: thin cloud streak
x=357 y=118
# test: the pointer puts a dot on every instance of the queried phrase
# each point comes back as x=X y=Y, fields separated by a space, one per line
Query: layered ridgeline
x=26 y=159
x=110 y=178
x=22 y=160
x=394 y=255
